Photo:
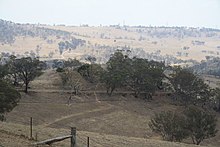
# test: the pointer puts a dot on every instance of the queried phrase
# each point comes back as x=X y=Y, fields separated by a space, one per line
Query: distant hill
x=211 y=67
x=173 y=45
x=9 y=31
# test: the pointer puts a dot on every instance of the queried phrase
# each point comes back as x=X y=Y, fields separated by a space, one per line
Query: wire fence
x=39 y=132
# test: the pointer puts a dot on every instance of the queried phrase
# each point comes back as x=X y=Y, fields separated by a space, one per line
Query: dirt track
x=76 y=114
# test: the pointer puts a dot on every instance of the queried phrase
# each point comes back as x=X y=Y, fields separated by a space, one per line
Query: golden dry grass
x=20 y=133
x=108 y=123
x=168 y=45
x=120 y=120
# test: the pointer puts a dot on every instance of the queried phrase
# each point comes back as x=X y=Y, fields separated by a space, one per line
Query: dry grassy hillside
x=169 y=45
x=96 y=139
x=120 y=120
x=159 y=43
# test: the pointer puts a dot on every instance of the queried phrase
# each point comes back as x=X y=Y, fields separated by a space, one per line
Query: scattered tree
x=12 y=74
x=9 y=98
x=145 y=76
x=189 y=88
x=3 y=71
x=170 y=125
x=71 y=80
x=91 y=72
x=117 y=72
x=195 y=122
x=217 y=98
x=91 y=59
x=28 y=69
x=138 y=75
x=200 y=123
x=72 y=63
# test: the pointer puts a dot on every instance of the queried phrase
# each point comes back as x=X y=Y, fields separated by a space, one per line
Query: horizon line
x=110 y=25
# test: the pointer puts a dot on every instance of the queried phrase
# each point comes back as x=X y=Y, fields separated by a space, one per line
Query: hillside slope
x=18 y=134
x=169 y=44
x=119 y=120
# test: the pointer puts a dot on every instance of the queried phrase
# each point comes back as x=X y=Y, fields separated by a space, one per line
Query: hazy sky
x=195 y=13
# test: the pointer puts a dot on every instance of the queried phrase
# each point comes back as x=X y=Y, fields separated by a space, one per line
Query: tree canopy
x=194 y=122
x=28 y=69
x=170 y=125
x=9 y=98
x=189 y=88
x=136 y=74
x=3 y=71
x=200 y=123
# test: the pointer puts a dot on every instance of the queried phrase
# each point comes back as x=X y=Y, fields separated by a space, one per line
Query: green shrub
x=195 y=122
x=200 y=123
x=60 y=69
x=9 y=98
x=170 y=125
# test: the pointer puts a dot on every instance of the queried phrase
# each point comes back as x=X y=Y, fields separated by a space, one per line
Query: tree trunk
x=26 y=88
x=198 y=141
x=136 y=93
x=218 y=105
x=194 y=142
x=107 y=89
x=112 y=89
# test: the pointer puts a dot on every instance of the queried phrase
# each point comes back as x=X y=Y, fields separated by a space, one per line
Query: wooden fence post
x=31 y=128
x=87 y=141
x=36 y=138
x=73 y=138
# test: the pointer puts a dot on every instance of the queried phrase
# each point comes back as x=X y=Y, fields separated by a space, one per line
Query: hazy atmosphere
x=110 y=73
x=195 y=13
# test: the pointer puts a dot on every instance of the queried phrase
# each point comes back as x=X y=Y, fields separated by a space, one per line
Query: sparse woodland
x=140 y=76
x=195 y=104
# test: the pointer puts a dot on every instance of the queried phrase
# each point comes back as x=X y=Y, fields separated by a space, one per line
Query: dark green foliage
x=28 y=69
x=138 y=75
x=91 y=72
x=96 y=72
x=217 y=98
x=9 y=98
x=12 y=74
x=189 y=88
x=3 y=71
x=200 y=123
x=6 y=33
x=59 y=69
x=9 y=30
x=69 y=45
x=211 y=66
x=72 y=63
x=91 y=59
x=62 y=47
x=84 y=71
x=117 y=72
x=195 y=122
x=58 y=63
x=145 y=76
x=170 y=125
